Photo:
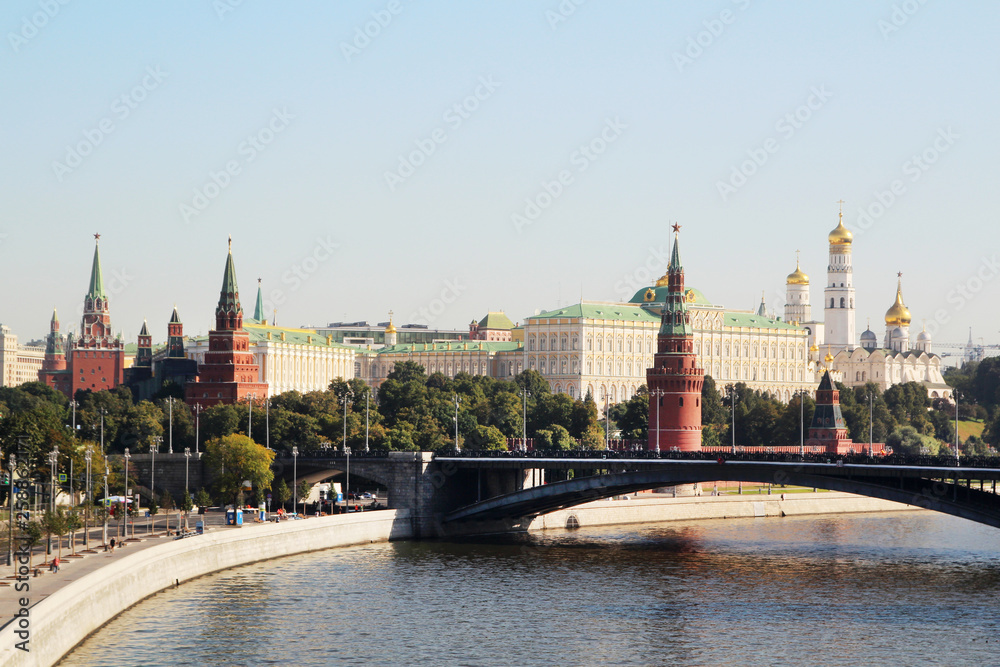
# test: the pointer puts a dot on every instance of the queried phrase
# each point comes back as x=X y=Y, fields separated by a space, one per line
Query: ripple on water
x=872 y=589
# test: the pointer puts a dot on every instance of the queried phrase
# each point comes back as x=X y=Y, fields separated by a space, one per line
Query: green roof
x=96 y=289
x=453 y=346
x=229 y=297
x=258 y=332
x=748 y=320
x=496 y=321
x=599 y=311
x=660 y=296
x=258 y=311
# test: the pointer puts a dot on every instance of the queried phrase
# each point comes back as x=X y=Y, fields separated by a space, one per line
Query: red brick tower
x=675 y=380
x=144 y=352
x=175 y=337
x=229 y=372
x=828 y=429
x=55 y=347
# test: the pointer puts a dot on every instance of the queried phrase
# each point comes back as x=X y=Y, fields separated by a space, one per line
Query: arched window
x=541 y=343
x=832 y=302
x=842 y=302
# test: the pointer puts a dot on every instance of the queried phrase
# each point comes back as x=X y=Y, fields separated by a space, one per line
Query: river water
x=877 y=589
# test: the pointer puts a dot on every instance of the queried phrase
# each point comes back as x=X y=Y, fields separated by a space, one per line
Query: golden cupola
x=841 y=235
x=898 y=314
x=797 y=277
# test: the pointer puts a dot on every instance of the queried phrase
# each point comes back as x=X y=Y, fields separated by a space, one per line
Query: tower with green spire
x=675 y=380
x=258 y=309
x=230 y=372
x=55 y=347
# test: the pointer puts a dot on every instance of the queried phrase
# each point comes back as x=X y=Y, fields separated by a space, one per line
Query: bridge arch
x=948 y=498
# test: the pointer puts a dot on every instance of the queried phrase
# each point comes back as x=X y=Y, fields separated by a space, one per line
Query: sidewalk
x=72 y=568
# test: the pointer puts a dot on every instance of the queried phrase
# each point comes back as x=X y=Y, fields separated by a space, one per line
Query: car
x=367 y=496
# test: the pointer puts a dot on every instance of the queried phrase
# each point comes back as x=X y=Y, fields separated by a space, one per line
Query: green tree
x=202 y=498
x=235 y=458
x=555 y=437
x=487 y=438
x=281 y=493
x=632 y=416
x=908 y=440
x=302 y=491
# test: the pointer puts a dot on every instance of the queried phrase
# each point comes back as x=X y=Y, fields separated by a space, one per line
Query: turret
x=144 y=354
x=55 y=347
x=175 y=337
x=229 y=312
x=797 y=307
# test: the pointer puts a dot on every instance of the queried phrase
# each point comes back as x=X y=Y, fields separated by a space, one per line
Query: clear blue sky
x=331 y=114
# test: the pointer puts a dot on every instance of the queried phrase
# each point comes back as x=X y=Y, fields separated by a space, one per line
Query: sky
x=441 y=160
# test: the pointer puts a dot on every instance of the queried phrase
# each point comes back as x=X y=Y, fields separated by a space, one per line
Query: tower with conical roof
x=258 y=309
x=229 y=372
x=675 y=380
x=838 y=306
x=828 y=431
x=175 y=337
x=144 y=352
x=55 y=347
x=95 y=359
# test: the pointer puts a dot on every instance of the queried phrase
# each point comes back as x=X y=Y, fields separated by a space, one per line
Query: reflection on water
x=841 y=590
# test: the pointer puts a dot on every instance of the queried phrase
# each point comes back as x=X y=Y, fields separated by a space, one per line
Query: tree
x=235 y=458
x=556 y=437
x=202 y=499
x=632 y=416
x=281 y=493
x=168 y=504
x=302 y=491
x=31 y=535
x=55 y=523
x=487 y=438
x=907 y=440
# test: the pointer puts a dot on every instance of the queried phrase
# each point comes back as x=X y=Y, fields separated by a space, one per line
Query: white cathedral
x=897 y=360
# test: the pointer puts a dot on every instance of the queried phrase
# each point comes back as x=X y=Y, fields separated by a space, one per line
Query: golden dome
x=663 y=281
x=814 y=348
x=828 y=358
x=797 y=277
x=391 y=329
x=898 y=314
x=841 y=235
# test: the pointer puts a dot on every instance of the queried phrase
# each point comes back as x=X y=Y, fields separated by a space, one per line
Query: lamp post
x=103 y=412
x=368 y=395
x=607 y=421
x=347 y=452
x=524 y=418
x=457 y=401
x=267 y=423
x=958 y=459
x=170 y=442
x=197 y=424
x=105 y=531
x=295 y=475
x=53 y=462
x=802 y=423
x=88 y=457
x=250 y=398
x=871 y=423
x=347 y=395
x=657 y=393
x=12 y=463
x=732 y=401
x=125 y=517
x=153 y=447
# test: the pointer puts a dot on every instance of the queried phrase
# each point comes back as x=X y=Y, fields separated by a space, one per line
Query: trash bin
x=199 y=528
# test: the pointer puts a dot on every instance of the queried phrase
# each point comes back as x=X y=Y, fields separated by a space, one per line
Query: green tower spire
x=258 y=311
x=96 y=279
x=229 y=298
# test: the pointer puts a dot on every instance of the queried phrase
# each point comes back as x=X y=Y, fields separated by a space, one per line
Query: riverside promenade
x=60 y=610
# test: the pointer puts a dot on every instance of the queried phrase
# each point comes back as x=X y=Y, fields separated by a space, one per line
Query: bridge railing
x=776 y=457
x=331 y=453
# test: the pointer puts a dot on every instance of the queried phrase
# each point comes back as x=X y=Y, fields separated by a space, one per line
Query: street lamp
x=125 y=517
x=153 y=447
x=657 y=393
x=732 y=401
x=197 y=424
x=250 y=398
x=103 y=412
x=347 y=395
x=524 y=418
x=368 y=395
x=295 y=475
x=607 y=420
x=871 y=423
x=347 y=451
x=10 y=522
x=170 y=442
x=457 y=401
x=187 y=494
x=958 y=459
x=802 y=423
x=267 y=423
x=105 y=513
x=88 y=457
x=53 y=461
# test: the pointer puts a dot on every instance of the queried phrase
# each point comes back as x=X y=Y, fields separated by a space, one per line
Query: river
x=875 y=589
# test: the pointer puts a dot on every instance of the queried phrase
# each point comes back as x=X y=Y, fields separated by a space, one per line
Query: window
x=842 y=302
x=831 y=302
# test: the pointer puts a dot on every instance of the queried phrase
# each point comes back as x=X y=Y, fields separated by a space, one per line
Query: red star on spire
x=899 y=274
x=676 y=228
x=97 y=237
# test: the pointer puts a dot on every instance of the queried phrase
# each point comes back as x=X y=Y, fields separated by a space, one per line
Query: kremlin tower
x=675 y=380
x=230 y=372
x=96 y=357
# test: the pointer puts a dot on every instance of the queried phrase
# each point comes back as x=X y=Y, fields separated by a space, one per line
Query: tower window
x=681 y=401
x=842 y=302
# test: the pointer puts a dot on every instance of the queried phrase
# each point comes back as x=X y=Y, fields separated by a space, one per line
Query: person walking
x=112 y=545
x=55 y=565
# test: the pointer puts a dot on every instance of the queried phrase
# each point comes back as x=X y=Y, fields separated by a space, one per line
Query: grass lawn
x=967 y=428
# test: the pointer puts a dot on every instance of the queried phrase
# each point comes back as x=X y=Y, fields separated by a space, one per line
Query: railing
x=332 y=453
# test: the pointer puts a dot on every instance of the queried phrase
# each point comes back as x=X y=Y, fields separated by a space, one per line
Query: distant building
x=152 y=369
x=494 y=327
x=18 y=363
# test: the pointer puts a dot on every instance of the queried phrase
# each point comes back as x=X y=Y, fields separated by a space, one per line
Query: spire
x=258 y=311
x=96 y=279
x=675 y=254
x=762 y=308
x=175 y=318
x=145 y=329
x=229 y=313
x=55 y=322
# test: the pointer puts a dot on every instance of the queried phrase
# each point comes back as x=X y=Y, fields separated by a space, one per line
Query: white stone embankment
x=652 y=508
x=70 y=614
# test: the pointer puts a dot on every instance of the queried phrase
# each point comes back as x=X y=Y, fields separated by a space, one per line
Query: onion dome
x=924 y=337
x=828 y=358
x=814 y=348
x=797 y=277
x=898 y=314
x=841 y=235
x=391 y=328
x=869 y=340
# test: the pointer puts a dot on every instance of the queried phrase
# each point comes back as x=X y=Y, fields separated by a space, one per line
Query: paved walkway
x=70 y=569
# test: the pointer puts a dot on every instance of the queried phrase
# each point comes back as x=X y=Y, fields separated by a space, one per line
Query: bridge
x=452 y=493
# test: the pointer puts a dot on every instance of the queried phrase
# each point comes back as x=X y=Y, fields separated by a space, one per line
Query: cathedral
x=856 y=360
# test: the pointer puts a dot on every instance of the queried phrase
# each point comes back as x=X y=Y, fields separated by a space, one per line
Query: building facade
x=19 y=363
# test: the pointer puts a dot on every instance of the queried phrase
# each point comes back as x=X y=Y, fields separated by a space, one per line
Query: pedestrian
x=55 y=565
x=112 y=545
